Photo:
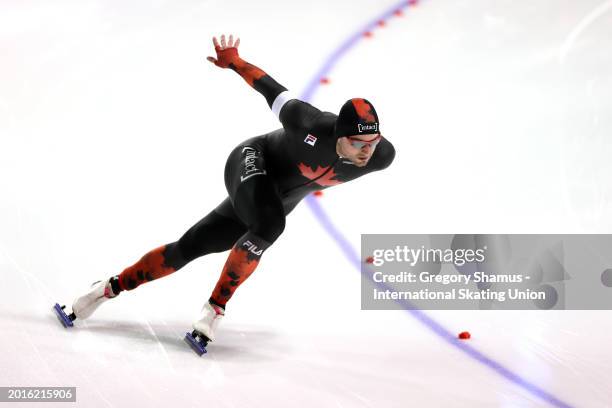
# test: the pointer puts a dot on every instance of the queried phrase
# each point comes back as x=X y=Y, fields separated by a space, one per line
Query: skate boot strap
x=108 y=291
x=219 y=311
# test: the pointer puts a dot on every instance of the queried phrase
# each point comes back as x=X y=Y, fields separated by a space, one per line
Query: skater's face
x=358 y=148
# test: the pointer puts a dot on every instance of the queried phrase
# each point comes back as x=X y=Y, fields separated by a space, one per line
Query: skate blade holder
x=65 y=319
x=197 y=341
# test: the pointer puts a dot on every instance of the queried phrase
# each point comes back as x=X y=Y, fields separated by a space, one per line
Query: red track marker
x=464 y=335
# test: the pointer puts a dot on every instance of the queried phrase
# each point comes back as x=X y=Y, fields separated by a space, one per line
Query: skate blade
x=62 y=316
x=197 y=344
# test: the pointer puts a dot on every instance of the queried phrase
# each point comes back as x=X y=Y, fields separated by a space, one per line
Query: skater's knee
x=269 y=228
x=175 y=255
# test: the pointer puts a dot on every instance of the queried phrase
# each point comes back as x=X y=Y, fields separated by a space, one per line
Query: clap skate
x=85 y=305
x=204 y=328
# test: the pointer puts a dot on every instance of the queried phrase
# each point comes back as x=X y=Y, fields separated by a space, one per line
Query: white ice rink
x=114 y=131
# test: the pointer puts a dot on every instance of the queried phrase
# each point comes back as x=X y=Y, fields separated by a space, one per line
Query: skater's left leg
x=213 y=233
x=216 y=232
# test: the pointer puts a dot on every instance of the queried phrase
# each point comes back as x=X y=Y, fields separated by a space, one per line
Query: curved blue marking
x=352 y=255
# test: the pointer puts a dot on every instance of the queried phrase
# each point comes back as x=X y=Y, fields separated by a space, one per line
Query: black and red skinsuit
x=266 y=177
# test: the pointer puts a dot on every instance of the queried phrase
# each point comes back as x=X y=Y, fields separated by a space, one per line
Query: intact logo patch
x=253 y=163
x=310 y=139
x=367 y=127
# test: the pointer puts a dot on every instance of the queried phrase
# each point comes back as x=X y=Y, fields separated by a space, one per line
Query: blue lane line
x=354 y=258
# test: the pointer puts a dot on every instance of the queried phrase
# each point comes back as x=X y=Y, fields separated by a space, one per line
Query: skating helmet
x=357 y=117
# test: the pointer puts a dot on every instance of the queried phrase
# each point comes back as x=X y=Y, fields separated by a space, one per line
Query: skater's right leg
x=258 y=205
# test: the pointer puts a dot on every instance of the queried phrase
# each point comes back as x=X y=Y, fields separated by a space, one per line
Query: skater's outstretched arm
x=295 y=114
x=227 y=57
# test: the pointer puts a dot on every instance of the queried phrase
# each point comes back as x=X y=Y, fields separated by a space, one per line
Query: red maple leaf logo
x=311 y=174
x=363 y=109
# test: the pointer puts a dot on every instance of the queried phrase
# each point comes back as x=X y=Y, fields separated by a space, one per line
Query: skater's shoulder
x=298 y=115
x=297 y=107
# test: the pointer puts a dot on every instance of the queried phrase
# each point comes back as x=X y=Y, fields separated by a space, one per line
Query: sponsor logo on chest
x=310 y=139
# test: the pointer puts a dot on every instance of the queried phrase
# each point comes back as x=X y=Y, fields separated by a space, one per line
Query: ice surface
x=114 y=130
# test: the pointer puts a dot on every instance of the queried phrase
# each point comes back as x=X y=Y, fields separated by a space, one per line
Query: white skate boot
x=209 y=320
x=99 y=293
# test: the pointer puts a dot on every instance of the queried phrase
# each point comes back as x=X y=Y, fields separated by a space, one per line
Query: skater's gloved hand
x=226 y=53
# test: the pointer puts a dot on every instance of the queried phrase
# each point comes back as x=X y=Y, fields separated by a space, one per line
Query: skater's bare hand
x=226 y=52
